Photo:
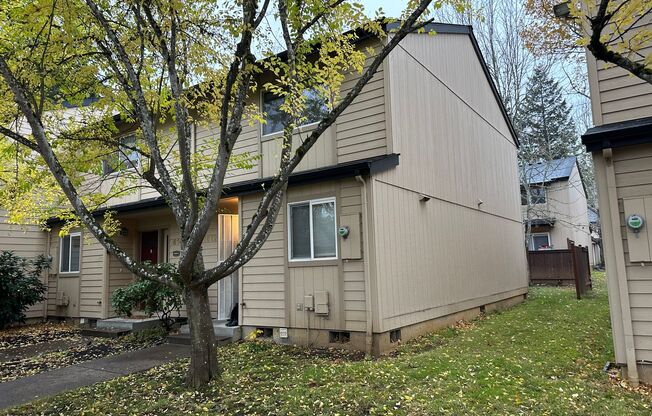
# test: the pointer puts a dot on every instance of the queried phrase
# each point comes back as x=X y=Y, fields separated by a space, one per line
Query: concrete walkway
x=50 y=383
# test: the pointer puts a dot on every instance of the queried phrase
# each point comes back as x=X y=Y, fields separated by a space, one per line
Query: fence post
x=571 y=247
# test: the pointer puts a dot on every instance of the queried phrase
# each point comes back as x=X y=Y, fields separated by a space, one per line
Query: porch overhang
x=614 y=135
x=540 y=222
x=339 y=171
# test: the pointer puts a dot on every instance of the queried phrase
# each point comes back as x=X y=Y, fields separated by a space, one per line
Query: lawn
x=542 y=357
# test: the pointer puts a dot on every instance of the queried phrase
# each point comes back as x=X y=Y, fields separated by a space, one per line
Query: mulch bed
x=81 y=349
x=36 y=334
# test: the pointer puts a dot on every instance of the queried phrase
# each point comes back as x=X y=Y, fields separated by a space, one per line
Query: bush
x=149 y=297
x=20 y=286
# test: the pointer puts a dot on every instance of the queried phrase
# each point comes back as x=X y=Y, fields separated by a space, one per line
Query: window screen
x=312 y=230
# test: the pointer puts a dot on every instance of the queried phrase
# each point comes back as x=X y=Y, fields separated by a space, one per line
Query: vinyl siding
x=83 y=289
x=263 y=278
x=448 y=254
x=632 y=168
x=272 y=286
x=359 y=133
x=616 y=94
x=24 y=241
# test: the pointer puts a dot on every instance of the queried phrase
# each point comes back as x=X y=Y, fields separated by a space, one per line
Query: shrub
x=20 y=286
x=149 y=297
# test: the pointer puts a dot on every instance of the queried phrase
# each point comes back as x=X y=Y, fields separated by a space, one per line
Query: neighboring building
x=421 y=168
x=621 y=144
x=557 y=207
x=596 y=237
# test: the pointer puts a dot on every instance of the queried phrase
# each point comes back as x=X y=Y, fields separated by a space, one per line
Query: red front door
x=149 y=246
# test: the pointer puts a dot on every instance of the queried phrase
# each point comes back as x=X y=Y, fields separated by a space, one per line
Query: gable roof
x=550 y=171
x=449 y=28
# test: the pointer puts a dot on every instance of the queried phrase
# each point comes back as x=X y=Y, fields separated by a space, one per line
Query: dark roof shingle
x=550 y=171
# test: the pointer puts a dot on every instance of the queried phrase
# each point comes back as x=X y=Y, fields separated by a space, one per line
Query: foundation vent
x=339 y=337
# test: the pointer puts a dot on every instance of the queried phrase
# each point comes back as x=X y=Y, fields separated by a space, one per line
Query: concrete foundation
x=382 y=343
x=131 y=324
x=644 y=373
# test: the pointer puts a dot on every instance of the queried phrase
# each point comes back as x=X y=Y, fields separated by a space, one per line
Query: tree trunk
x=203 y=354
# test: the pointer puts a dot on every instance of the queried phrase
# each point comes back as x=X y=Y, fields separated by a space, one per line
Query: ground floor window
x=70 y=253
x=539 y=241
x=312 y=230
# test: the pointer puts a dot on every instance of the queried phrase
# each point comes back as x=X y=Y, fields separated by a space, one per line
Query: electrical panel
x=321 y=303
x=309 y=302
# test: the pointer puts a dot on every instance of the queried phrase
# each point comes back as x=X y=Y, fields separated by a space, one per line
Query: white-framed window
x=70 y=253
x=312 y=230
x=315 y=109
x=124 y=158
x=539 y=241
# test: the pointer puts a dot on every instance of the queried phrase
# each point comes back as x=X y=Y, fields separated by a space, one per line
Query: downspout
x=47 y=275
x=367 y=274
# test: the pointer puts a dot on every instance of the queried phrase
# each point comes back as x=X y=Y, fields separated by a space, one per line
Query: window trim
x=72 y=234
x=297 y=129
x=531 y=242
x=310 y=203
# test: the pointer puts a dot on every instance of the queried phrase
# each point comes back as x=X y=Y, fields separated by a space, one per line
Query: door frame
x=236 y=274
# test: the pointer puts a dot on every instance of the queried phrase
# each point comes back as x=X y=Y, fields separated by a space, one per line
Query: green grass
x=542 y=357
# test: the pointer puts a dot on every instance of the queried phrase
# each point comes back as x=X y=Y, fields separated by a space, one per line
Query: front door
x=227 y=288
x=149 y=246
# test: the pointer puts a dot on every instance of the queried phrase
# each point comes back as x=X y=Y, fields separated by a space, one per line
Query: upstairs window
x=123 y=159
x=312 y=230
x=70 y=253
x=537 y=196
x=315 y=109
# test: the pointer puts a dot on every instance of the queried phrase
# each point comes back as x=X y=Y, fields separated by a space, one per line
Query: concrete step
x=104 y=332
x=221 y=330
x=133 y=324
x=184 y=339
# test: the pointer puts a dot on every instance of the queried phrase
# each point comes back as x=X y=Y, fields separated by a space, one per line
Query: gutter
x=341 y=170
x=48 y=244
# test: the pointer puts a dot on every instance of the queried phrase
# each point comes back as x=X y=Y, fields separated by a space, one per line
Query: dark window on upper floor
x=315 y=109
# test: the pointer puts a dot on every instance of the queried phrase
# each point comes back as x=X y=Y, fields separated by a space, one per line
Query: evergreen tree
x=545 y=127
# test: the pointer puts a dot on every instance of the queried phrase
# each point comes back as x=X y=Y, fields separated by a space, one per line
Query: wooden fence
x=561 y=267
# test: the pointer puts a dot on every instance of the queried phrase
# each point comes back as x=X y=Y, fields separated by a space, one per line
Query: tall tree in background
x=546 y=130
x=163 y=65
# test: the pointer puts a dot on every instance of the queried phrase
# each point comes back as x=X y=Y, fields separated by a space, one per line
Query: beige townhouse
x=403 y=218
x=556 y=210
x=621 y=145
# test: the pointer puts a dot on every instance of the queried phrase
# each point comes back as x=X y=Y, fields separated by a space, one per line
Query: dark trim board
x=339 y=171
x=613 y=135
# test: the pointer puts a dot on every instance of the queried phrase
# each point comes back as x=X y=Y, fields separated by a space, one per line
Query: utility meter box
x=309 y=302
x=321 y=303
x=639 y=239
